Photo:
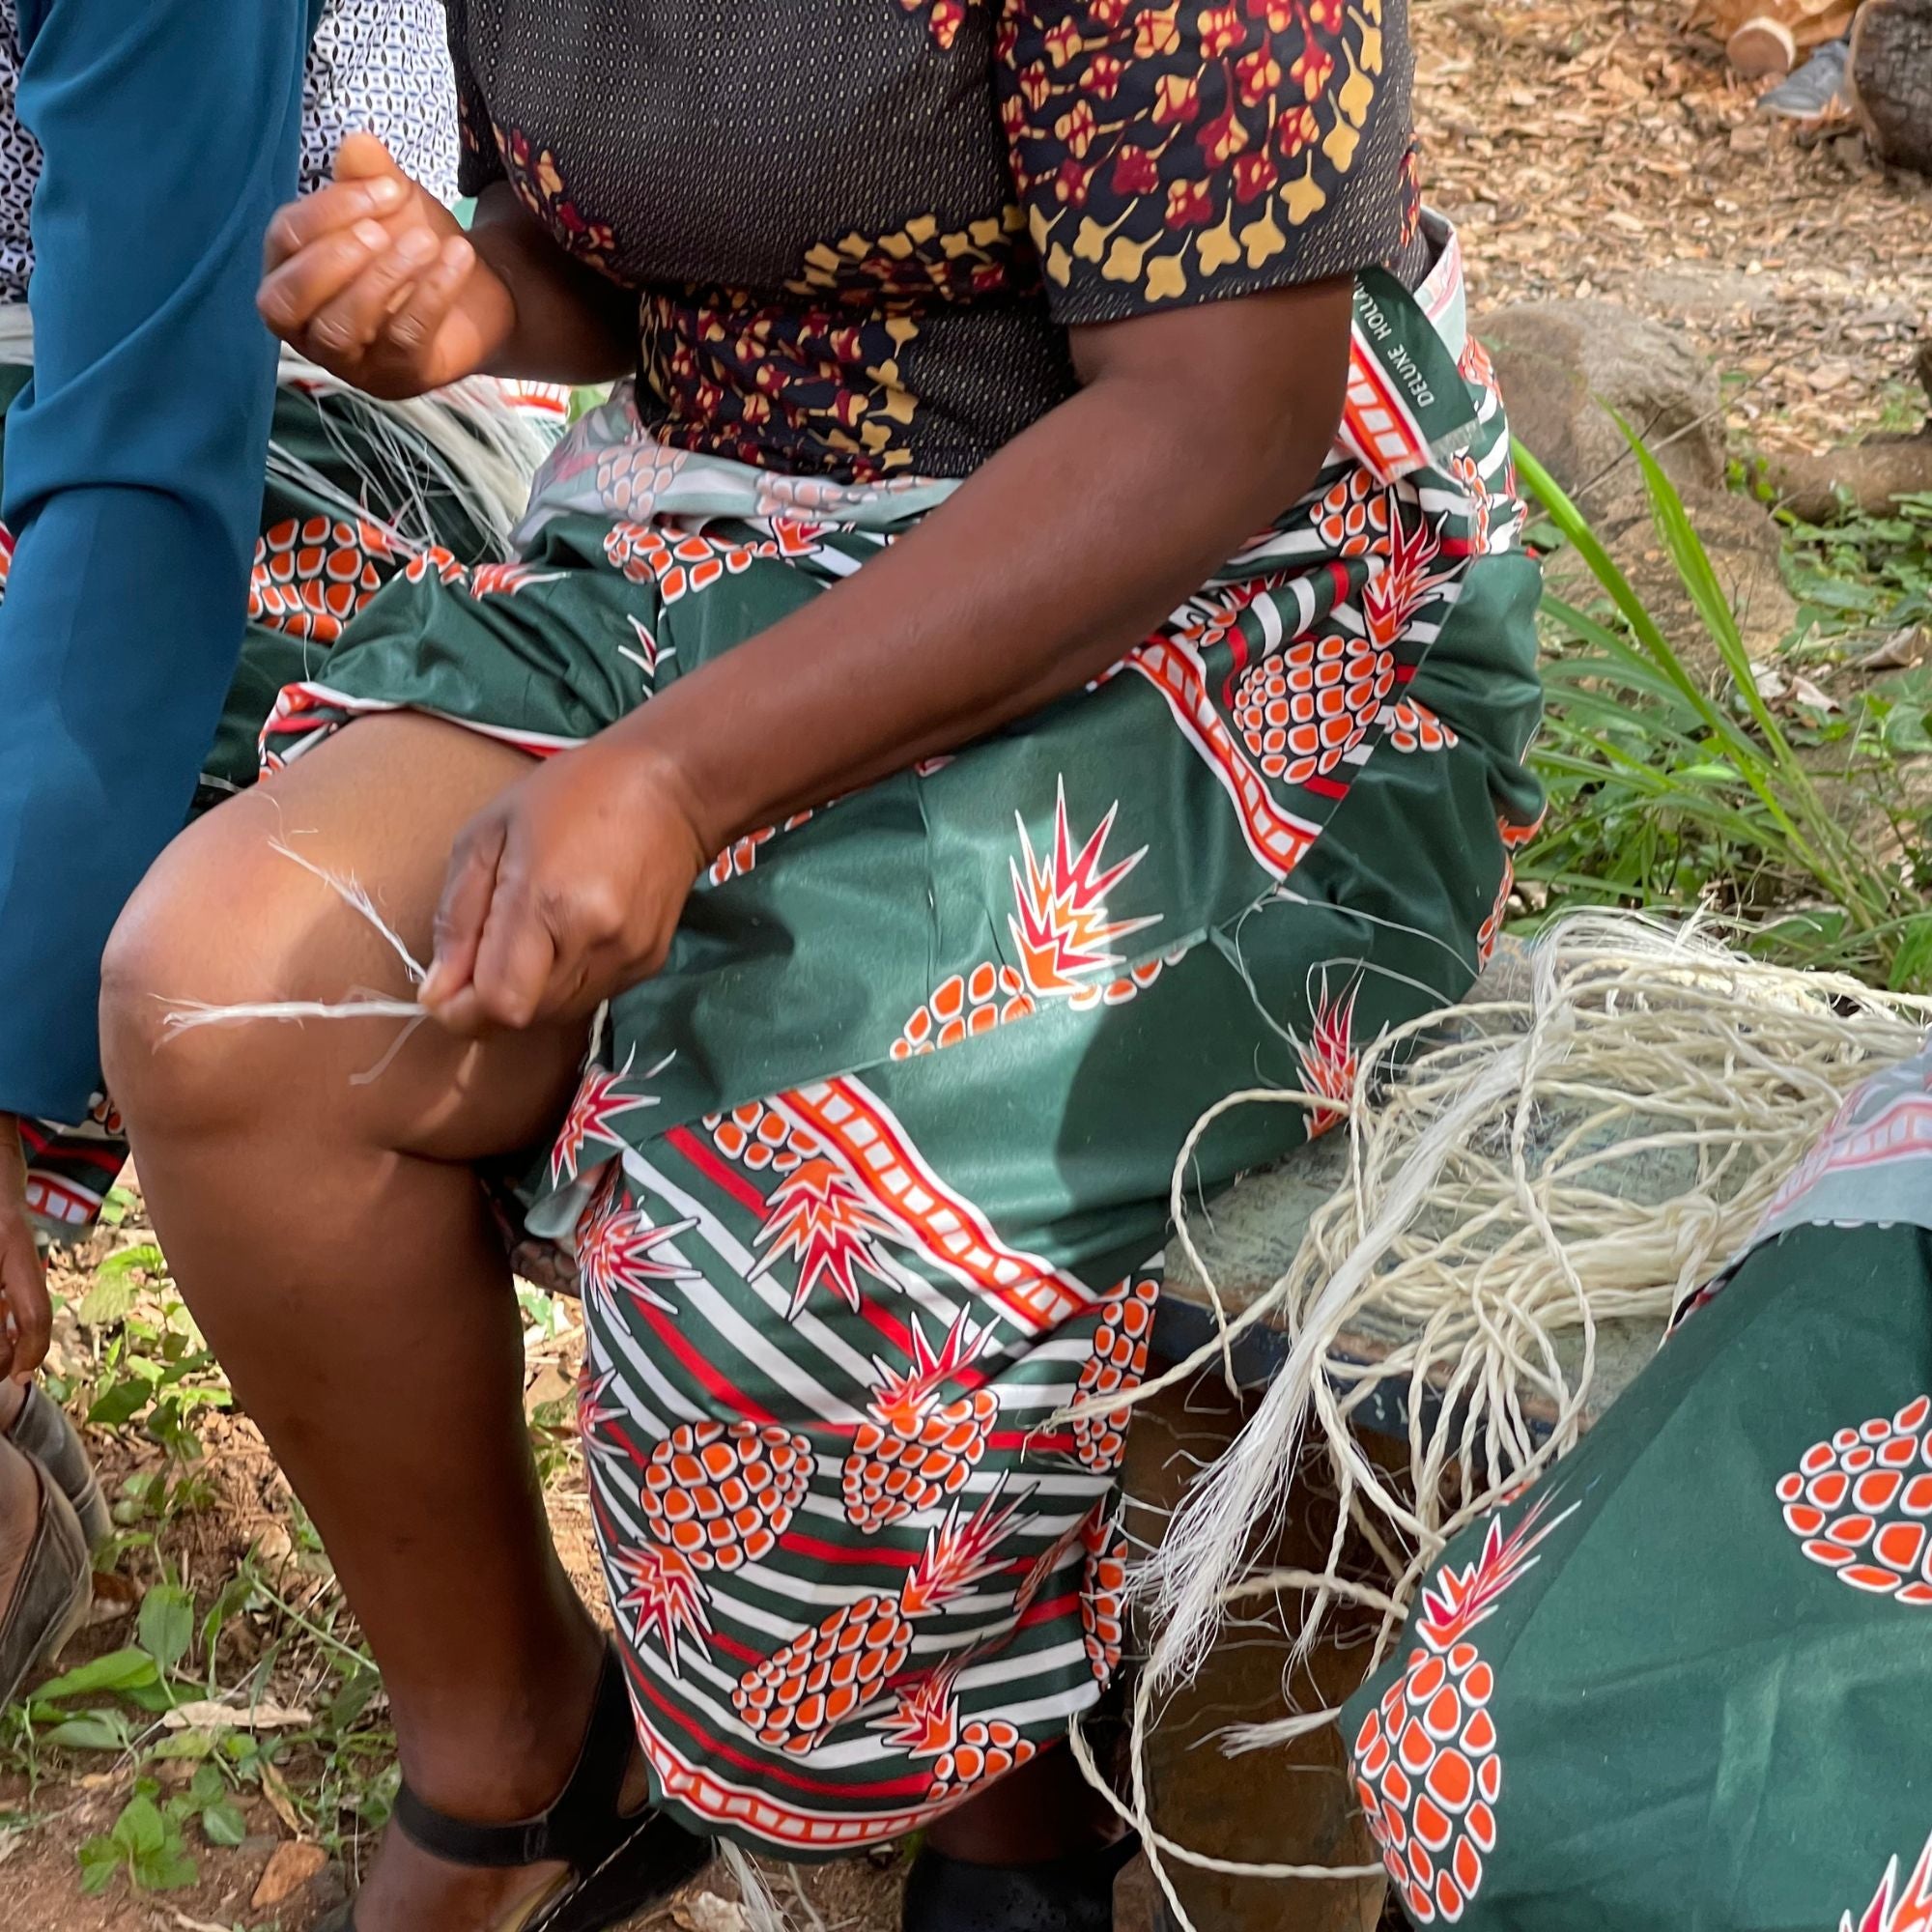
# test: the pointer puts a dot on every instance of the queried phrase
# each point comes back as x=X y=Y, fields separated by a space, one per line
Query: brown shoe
x=51 y=1598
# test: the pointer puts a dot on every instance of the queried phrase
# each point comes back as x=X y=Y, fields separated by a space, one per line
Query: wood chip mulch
x=1589 y=149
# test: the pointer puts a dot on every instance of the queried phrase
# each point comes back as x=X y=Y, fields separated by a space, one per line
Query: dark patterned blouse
x=859 y=229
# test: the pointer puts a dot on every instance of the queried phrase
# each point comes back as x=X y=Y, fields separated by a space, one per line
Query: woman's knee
x=217 y=921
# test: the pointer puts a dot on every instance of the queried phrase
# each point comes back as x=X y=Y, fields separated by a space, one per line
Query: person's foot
x=408 y=1890
x=1817 y=89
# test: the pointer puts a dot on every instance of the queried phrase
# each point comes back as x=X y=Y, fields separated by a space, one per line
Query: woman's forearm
x=1069 y=546
x=568 y=324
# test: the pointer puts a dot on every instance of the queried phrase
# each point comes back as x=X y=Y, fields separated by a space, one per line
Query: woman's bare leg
x=340 y=1255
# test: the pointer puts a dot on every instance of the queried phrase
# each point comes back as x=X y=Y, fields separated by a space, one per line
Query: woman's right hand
x=374 y=280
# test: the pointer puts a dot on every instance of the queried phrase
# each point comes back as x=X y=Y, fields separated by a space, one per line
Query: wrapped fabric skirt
x=1683 y=1679
x=355 y=491
x=870 y=1181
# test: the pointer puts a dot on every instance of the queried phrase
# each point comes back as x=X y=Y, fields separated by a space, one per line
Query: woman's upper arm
x=1251 y=368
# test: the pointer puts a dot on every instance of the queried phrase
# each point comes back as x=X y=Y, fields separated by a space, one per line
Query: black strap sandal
x=50 y=1600
x=42 y=1431
x=620 y=1865
x=1070 y=1894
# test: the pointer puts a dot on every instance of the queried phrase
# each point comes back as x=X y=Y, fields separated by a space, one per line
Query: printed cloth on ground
x=1680 y=1681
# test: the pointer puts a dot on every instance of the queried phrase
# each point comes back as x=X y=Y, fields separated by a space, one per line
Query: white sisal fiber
x=1593 y=1136
x=478 y=449
x=359 y=1004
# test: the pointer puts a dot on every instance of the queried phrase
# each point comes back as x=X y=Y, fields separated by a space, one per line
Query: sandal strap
x=580 y=1828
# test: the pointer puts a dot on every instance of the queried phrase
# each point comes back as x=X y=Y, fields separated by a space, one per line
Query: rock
x=1871 y=473
x=1891 y=79
x=1565 y=368
x=1744 y=545
x=1565 y=365
x=289 y=1867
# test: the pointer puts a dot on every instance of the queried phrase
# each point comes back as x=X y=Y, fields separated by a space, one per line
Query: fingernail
x=431 y=990
x=372 y=235
x=386 y=191
x=418 y=247
x=457 y=252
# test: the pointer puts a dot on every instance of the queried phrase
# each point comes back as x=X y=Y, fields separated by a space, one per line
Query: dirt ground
x=1585 y=148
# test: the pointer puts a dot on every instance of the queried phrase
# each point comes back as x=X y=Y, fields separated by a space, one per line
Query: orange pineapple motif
x=1061 y=933
x=759 y=1137
x=742 y=854
x=616 y=1250
x=603 y=1099
x=683 y=563
x=1406 y=579
x=965 y=1004
x=1303 y=710
x=818 y=1218
x=1427 y=1769
x=1118 y=1366
x=312 y=576
x=1861 y=1504
x=1329 y=1061
x=912 y=1452
x=1414 y=728
x=1893 y=1911
x=505 y=580
x=1103 y=1592
x=924 y=1723
x=1354 y=517
x=829 y=1674
x=1462 y=468
x=714 y=1497
x=1063 y=930
x=444 y=565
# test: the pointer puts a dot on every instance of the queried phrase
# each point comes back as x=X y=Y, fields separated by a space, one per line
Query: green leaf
x=118 y=1670
x=144 y=1257
x=119 y=1403
x=99 y=1730
x=109 y=1300
x=1912 y=963
x=224 y=1825
x=170 y=1869
x=100 y=1859
x=186 y=1747
x=166 y=1627
x=140 y=1831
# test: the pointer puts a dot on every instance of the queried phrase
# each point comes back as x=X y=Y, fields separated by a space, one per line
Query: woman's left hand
x=565 y=891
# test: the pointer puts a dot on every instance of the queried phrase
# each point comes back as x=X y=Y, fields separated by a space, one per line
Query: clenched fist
x=374 y=280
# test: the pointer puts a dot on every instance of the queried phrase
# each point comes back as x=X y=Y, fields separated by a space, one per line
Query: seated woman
x=1041 y=641
x=1680 y=1681
x=355 y=489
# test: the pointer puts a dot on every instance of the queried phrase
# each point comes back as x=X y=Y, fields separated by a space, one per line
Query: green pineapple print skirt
x=861 y=1189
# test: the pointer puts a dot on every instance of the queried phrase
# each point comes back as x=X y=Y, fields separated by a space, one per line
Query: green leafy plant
x=1667 y=793
x=1862 y=578
x=146 y=1843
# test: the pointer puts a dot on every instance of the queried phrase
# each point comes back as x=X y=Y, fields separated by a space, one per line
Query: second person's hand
x=374 y=280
